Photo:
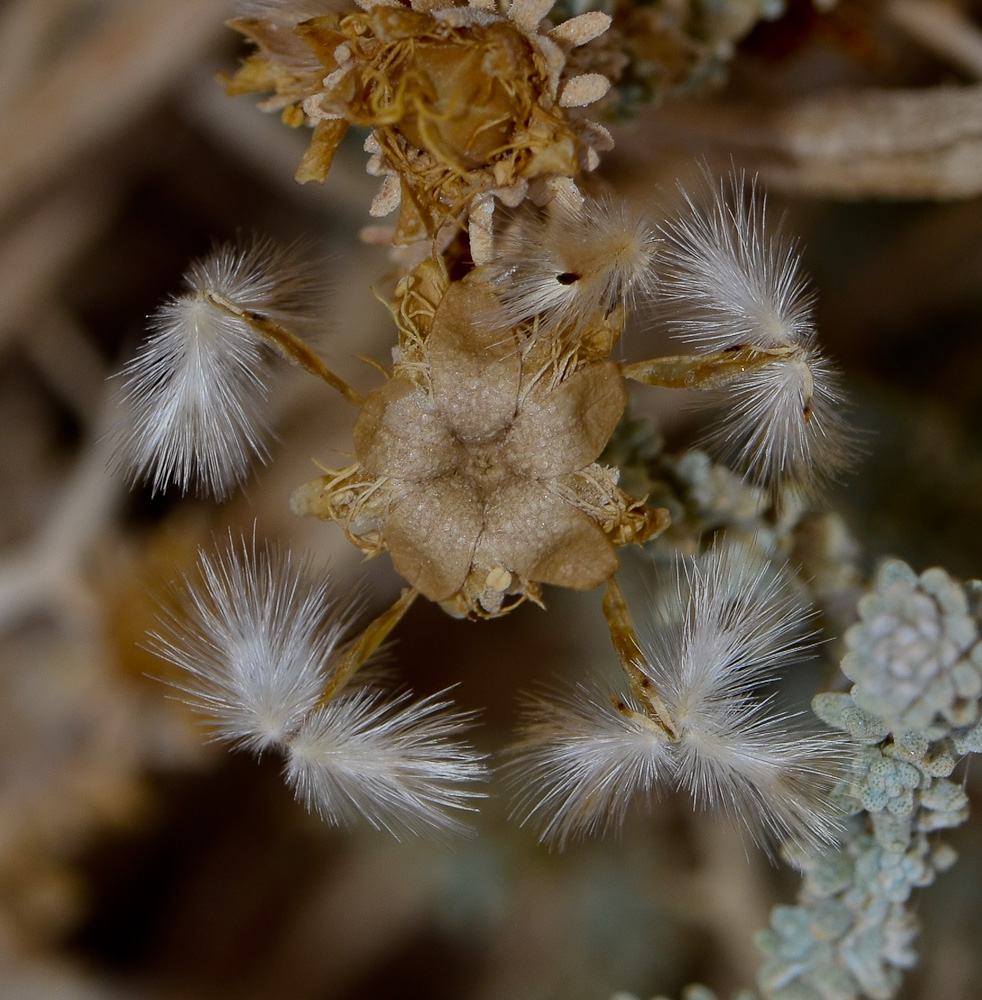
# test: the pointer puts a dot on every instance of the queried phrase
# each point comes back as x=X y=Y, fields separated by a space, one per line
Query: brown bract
x=477 y=461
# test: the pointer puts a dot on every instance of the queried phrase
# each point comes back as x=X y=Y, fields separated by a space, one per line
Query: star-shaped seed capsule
x=477 y=464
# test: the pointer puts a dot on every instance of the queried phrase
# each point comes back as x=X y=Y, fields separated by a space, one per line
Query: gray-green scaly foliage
x=915 y=660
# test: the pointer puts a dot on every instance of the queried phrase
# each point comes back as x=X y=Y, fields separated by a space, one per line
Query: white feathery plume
x=582 y=761
x=723 y=632
x=256 y=634
x=733 y=286
x=572 y=266
x=196 y=388
x=735 y=625
x=731 y=282
x=397 y=763
x=288 y=12
x=257 y=637
x=784 y=425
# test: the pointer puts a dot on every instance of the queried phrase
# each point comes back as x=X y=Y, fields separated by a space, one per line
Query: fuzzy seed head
x=398 y=764
x=783 y=425
x=582 y=761
x=718 y=636
x=731 y=282
x=194 y=394
x=574 y=266
x=255 y=634
x=257 y=637
x=732 y=285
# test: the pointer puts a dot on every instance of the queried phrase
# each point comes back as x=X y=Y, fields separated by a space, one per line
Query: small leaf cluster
x=852 y=932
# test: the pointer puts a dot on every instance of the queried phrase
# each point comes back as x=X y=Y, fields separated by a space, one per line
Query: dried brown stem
x=703 y=371
x=625 y=639
x=289 y=345
x=370 y=639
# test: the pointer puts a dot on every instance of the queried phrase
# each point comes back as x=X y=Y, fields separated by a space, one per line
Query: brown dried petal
x=400 y=434
x=431 y=535
x=565 y=428
x=476 y=370
x=533 y=533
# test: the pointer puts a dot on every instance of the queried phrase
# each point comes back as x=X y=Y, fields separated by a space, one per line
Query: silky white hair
x=723 y=629
x=256 y=636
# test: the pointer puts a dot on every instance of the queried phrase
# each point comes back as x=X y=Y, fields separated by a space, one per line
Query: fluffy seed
x=783 y=425
x=574 y=266
x=721 y=633
x=733 y=285
x=255 y=634
x=397 y=763
x=195 y=391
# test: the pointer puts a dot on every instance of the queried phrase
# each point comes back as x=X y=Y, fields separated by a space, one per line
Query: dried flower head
x=259 y=641
x=195 y=391
x=465 y=103
x=696 y=718
x=477 y=459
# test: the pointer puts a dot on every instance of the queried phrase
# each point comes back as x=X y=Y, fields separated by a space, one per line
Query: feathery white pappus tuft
x=258 y=637
x=573 y=266
x=284 y=11
x=732 y=283
x=397 y=763
x=255 y=633
x=783 y=425
x=732 y=286
x=194 y=393
x=581 y=762
x=721 y=633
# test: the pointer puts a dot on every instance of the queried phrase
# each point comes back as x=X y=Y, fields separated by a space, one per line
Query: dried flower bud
x=464 y=102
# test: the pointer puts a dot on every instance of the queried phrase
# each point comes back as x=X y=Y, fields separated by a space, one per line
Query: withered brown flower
x=466 y=104
x=477 y=459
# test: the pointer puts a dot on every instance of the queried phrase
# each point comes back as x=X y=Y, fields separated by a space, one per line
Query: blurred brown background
x=135 y=862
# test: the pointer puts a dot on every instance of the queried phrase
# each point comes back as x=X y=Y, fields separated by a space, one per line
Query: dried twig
x=851 y=144
x=942 y=29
